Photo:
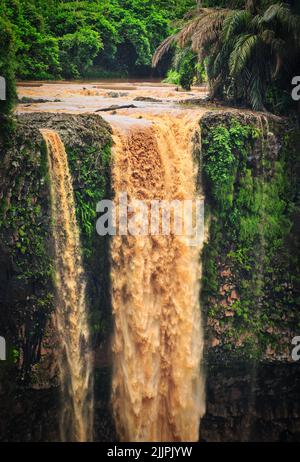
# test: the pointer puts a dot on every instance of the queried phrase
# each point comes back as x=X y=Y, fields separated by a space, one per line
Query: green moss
x=90 y=167
x=224 y=151
x=24 y=231
x=28 y=276
x=252 y=195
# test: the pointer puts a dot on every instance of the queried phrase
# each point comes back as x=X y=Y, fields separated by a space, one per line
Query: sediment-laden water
x=74 y=356
x=158 y=392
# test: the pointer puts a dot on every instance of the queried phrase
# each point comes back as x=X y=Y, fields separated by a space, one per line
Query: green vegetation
x=251 y=266
x=7 y=62
x=26 y=251
x=223 y=149
x=186 y=70
x=91 y=168
x=91 y=186
x=24 y=224
x=250 y=52
x=72 y=39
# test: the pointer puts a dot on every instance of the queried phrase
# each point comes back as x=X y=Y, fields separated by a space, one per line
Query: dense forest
x=72 y=39
x=247 y=50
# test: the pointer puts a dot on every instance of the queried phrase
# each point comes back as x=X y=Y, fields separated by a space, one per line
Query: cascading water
x=158 y=387
x=74 y=357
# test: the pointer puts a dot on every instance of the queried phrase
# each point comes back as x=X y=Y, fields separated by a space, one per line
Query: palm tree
x=246 y=50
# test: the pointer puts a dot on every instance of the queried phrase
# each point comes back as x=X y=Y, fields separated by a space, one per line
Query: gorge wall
x=250 y=168
x=250 y=293
x=27 y=269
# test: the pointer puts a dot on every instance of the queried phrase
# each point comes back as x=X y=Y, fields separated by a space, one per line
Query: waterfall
x=158 y=385
x=74 y=356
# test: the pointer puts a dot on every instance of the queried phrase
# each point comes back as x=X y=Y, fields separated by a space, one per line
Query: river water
x=158 y=383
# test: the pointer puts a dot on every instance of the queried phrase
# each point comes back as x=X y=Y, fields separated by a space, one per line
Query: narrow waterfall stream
x=158 y=385
x=74 y=355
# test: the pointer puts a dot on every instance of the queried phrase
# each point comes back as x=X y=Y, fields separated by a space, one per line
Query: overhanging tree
x=248 y=52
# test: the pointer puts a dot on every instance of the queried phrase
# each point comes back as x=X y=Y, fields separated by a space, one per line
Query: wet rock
x=114 y=107
x=251 y=402
x=28 y=101
x=116 y=94
x=147 y=99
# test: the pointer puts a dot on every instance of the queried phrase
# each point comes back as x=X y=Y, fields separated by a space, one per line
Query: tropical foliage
x=252 y=209
x=249 y=50
x=55 y=38
x=6 y=70
x=251 y=54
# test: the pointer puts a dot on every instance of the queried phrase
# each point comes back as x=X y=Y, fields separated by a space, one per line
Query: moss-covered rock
x=250 y=166
x=26 y=276
x=250 y=295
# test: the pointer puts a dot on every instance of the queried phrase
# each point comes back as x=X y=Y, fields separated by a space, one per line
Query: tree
x=73 y=39
x=248 y=52
x=37 y=55
x=78 y=51
x=7 y=66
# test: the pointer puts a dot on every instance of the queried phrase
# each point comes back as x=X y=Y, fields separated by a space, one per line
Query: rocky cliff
x=250 y=294
x=250 y=173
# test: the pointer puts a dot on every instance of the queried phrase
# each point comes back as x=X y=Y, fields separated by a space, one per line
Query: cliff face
x=26 y=276
x=250 y=297
x=251 y=402
x=250 y=171
x=250 y=167
x=26 y=284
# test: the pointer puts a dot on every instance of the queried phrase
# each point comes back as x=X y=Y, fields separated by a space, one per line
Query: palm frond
x=279 y=11
x=242 y=52
x=235 y=22
x=278 y=48
x=163 y=48
x=204 y=28
x=209 y=29
x=256 y=93
x=268 y=36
